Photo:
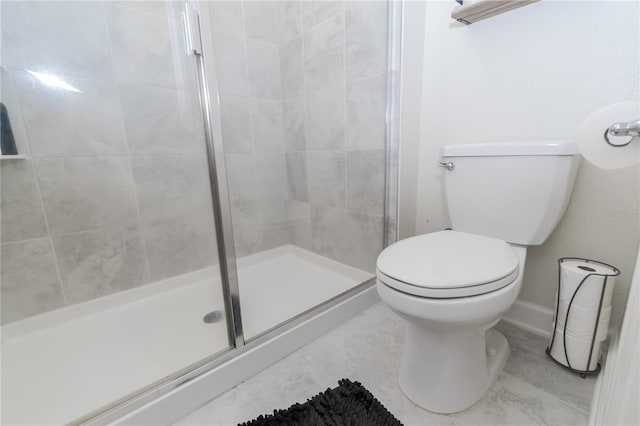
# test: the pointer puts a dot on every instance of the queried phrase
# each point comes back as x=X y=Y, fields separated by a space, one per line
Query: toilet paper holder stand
x=631 y=129
x=615 y=272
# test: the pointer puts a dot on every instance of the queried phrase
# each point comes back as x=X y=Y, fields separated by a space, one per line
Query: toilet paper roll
x=572 y=272
x=577 y=351
x=591 y=142
x=582 y=322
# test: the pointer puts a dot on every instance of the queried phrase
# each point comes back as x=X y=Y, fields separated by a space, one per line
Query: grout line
x=305 y=118
x=50 y=237
x=26 y=240
x=342 y=10
x=252 y=102
x=249 y=96
x=282 y=151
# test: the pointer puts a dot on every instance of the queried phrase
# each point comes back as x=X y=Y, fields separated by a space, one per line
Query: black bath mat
x=348 y=404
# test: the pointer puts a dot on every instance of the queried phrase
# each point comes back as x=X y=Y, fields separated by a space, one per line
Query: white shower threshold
x=61 y=365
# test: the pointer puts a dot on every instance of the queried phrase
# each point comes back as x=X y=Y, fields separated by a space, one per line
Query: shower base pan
x=61 y=365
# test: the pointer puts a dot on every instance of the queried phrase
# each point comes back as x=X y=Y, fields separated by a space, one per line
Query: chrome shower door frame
x=199 y=35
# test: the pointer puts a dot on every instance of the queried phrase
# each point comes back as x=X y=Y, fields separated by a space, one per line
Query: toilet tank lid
x=496 y=149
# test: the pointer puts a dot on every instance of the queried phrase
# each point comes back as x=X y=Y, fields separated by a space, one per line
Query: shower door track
x=116 y=413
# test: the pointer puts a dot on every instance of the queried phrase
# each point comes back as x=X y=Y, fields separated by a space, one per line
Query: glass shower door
x=110 y=277
x=303 y=99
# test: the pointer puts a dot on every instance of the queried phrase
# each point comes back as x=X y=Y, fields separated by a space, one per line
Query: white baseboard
x=531 y=317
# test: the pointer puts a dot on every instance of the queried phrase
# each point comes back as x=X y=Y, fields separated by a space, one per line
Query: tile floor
x=530 y=390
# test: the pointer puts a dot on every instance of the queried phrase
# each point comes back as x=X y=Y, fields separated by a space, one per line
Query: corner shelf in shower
x=13 y=157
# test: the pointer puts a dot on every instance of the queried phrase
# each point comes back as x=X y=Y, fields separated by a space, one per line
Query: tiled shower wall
x=303 y=98
x=114 y=192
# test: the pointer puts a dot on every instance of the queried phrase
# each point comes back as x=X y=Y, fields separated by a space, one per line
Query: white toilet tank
x=515 y=191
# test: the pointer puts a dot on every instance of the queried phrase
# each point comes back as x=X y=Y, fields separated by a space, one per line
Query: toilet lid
x=448 y=264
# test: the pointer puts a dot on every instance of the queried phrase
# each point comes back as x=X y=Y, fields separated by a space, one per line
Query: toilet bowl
x=452 y=287
x=463 y=285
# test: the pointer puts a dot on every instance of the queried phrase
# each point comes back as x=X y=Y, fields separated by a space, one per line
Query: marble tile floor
x=531 y=389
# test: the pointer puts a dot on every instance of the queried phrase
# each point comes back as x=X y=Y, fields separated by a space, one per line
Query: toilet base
x=447 y=372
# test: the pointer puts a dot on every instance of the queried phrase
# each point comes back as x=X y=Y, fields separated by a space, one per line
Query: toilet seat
x=448 y=264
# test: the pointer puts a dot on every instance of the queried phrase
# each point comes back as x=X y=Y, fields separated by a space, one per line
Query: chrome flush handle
x=631 y=129
x=449 y=165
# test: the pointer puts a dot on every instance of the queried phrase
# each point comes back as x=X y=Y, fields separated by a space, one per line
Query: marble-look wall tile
x=9 y=97
x=302 y=233
x=264 y=70
x=157 y=7
x=266 y=119
x=261 y=21
x=181 y=244
x=237 y=130
x=365 y=181
x=351 y=238
x=11 y=58
x=276 y=235
x=21 y=211
x=297 y=176
x=366 y=39
x=324 y=54
x=289 y=19
x=327 y=225
x=291 y=68
x=29 y=279
x=283 y=211
x=366 y=104
x=141 y=47
x=362 y=240
x=325 y=120
x=247 y=229
x=241 y=177
x=176 y=214
x=299 y=210
x=161 y=121
x=68 y=39
x=230 y=58
x=327 y=178
x=98 y=263
x=293 y=117
x=226 y=17
x=317 y=11
x=81 y=194
x=97 y=127
x=247 y=239
x=246 y=215
x=271 y=173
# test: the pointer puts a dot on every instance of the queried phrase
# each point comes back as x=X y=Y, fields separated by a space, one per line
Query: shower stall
x=182 y=182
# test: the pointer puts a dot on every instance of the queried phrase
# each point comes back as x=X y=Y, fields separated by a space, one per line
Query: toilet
x=453 y=286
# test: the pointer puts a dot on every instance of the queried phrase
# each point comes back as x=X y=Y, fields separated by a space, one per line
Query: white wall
x=531 y=74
